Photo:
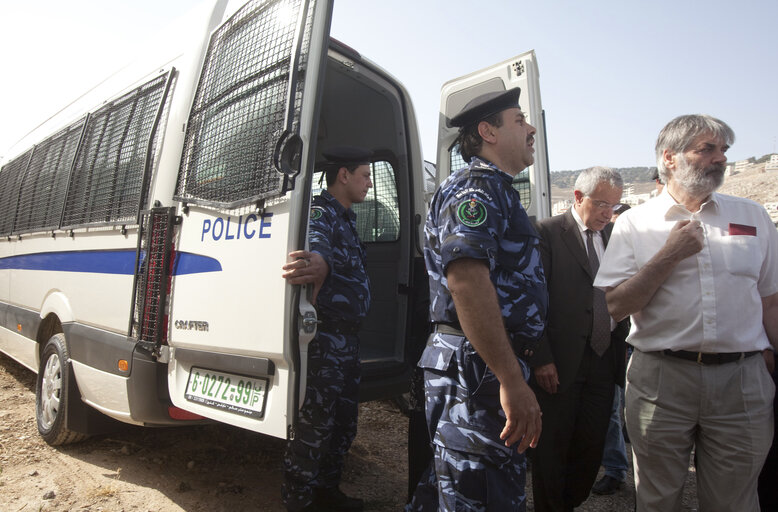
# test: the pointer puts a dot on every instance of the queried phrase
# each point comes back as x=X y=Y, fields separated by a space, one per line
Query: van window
x=240 y=108
x=107 y=185
x=10 y=179
x=42 y=193
x=521 y=181
x=378 y=217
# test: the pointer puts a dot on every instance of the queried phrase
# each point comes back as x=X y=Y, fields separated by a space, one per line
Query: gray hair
x=679 y=134
x=589 y=178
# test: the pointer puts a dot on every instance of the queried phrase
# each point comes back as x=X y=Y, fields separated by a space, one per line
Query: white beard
x=699 y=183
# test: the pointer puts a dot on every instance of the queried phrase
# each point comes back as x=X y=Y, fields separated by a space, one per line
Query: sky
x=612 y=73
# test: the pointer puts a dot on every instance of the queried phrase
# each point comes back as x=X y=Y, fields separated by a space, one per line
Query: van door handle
x=310 y=322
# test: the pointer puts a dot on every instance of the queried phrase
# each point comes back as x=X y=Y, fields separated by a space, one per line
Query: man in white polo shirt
x=698 y=272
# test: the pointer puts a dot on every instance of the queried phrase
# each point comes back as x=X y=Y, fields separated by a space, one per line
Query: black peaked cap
x=485 y=105
x=343 y=156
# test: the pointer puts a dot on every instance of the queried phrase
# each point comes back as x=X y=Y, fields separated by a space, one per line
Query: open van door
x=238 y=333
x=522 y=71
x=363 y=105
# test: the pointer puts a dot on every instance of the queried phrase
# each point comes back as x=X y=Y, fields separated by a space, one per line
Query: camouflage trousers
x=327 y=423
x=472 y=469
x=457 y=481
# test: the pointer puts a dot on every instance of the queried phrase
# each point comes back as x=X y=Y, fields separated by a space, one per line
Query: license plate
x=227 y=391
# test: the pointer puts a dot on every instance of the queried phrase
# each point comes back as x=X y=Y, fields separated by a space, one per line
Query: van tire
x=53 y=394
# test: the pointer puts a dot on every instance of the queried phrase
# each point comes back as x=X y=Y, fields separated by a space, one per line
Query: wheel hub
x=51 y=385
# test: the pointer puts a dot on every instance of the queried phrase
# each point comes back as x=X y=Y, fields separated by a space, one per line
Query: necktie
x=601 y=322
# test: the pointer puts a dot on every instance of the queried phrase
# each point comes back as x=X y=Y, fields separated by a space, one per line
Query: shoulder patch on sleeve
x=316 y=212
x=471 y=212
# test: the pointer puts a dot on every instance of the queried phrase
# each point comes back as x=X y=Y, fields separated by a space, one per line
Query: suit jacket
x=569 y=279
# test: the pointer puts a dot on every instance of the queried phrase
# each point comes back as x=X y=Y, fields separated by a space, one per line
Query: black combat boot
x=312 y=507
x=334 y=500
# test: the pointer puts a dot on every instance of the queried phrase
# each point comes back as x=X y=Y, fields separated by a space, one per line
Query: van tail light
x=156 y=262
x=180 y=414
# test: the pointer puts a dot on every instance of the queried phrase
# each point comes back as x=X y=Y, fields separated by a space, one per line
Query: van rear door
x=236 y=334
x=520 y=71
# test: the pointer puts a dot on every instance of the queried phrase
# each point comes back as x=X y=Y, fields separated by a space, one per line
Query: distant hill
x=752 y=182
x=633 y=175
x=566 y=179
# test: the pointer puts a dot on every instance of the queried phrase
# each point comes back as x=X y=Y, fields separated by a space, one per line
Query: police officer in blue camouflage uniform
x=335 y=265
x=488 y=304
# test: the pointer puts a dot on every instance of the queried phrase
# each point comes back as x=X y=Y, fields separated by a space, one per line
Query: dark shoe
x=606 y=485
x=334 y=500
x=312 y=507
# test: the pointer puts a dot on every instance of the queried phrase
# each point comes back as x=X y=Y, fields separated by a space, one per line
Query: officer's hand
x=522 y=416
x=547 y=377
x=306 y=268
x=685 y=239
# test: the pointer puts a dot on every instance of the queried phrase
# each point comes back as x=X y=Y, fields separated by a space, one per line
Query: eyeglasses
x=602 y=205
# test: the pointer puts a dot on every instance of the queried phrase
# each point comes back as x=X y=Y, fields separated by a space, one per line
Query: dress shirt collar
x=674 y=211
x=581 y=226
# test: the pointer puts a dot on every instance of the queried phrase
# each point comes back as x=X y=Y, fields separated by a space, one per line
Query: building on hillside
x=772 y=164
x=631 y=198
x=772 y=210
x=561 y=207
x=635 y=199
x=742 y=165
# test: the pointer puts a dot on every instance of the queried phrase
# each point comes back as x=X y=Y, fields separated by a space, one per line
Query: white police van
x=143 y=228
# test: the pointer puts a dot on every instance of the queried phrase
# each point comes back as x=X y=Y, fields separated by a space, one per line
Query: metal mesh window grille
x=240 y=107
x=43 y=189
x=456 y=160
x=378 y=216
x=520 y=182
x=107 y=182
x=10 y=179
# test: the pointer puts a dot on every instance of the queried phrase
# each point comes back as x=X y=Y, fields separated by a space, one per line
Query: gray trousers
x=722 y=411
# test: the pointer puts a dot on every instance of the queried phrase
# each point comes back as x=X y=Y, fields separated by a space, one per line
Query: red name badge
x=742 y=229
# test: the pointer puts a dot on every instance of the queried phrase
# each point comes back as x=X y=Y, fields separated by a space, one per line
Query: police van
x=143 y=228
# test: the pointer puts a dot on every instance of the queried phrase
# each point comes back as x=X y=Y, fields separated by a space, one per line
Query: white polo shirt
x=712 y=300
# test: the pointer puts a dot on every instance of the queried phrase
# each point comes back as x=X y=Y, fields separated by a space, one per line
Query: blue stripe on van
x=119 y=262
x=188 y=263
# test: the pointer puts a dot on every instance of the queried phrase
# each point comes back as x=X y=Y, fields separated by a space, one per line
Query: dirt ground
x=203 y=468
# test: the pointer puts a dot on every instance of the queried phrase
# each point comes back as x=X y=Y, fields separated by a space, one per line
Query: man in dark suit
x=582 y=353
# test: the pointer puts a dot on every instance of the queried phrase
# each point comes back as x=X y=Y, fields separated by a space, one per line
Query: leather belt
x=339 y=326
x=710 y=359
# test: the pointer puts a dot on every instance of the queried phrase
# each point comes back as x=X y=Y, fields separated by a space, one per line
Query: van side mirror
x=287 y=154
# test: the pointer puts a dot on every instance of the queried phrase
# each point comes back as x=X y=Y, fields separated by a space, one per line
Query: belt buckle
x=699 y=358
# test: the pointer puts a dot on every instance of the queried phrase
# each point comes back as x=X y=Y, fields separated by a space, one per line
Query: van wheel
x=52 y=394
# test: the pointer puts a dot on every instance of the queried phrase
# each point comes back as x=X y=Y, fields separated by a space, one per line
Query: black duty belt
x=709 y=359
x=521 y=347
x=339 y=326
x=449 y=328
